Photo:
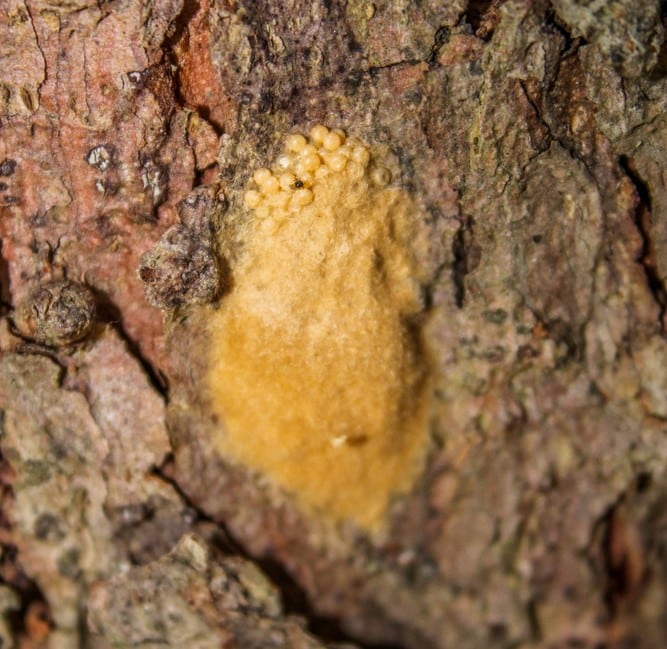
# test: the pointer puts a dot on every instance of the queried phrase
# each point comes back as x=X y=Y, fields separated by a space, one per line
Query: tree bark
x=531 y=138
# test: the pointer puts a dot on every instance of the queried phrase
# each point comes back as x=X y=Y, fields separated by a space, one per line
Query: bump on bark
x=180 y=269
x=56 y=313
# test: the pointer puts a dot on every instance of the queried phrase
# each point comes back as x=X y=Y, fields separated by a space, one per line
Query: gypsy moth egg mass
x=318 y=379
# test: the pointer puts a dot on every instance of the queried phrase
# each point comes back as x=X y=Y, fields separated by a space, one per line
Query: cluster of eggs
x=305 y=162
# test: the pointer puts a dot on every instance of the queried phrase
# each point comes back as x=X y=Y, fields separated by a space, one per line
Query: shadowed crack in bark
x=294 y=598
x=32 y=606
x=466 y=257
x=108 y=312
x=481 y=11
x=643 y=218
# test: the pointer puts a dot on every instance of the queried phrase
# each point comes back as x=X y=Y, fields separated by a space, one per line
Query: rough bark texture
x=533 y=136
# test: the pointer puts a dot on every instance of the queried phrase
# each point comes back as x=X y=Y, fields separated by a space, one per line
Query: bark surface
x=532 y=135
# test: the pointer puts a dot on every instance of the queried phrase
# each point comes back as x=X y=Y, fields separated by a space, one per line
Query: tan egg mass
x=317 y=371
